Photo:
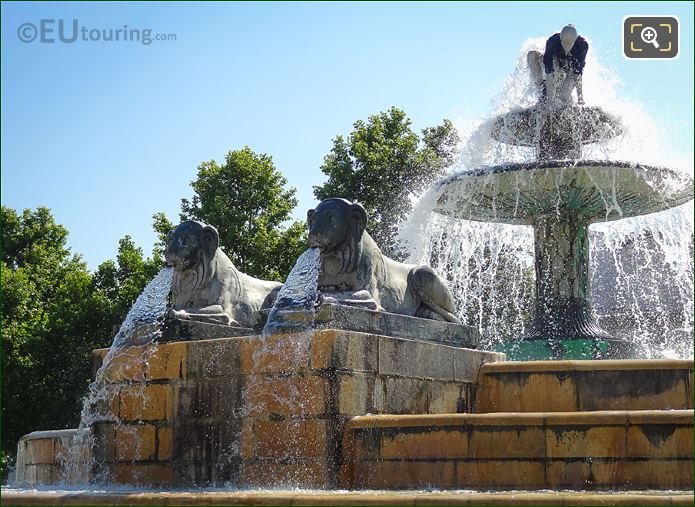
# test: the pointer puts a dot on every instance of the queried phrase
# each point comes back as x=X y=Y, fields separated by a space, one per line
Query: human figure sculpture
x=353 y=270
x=563 y=62
x=206 y=286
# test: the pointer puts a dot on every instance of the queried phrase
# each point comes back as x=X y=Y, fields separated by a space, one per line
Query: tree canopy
x=382 y=164
x=248 y=201
x=54 y=313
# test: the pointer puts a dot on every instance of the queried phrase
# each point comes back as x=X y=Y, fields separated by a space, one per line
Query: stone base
x=641 y=449
x=40 y=457
x=585 y=386
x=376 y=498
x=176 y=330
x=362 y=320
x=533 y=350
x=267 y=411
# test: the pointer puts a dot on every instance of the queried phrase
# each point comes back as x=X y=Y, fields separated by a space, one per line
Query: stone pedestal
x=176 y=330
x=363 y=320
x=253 y=411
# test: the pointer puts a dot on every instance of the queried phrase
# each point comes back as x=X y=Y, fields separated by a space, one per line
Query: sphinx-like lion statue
x=206 y=286
x=353 y=270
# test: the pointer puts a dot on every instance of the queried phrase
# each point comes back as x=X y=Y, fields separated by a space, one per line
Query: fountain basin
x=586 y=124
x=342 y=497
x=590 y=190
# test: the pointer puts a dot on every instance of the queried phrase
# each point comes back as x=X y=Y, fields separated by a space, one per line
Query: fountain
x=560 y=195
x=357 y=383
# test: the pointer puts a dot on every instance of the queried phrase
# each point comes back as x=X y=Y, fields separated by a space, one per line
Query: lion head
x=191 y=244
x=338 y=225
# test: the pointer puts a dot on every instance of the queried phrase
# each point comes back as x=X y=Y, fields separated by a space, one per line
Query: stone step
x=567 y=386
x=648 y=449
x=295 y=497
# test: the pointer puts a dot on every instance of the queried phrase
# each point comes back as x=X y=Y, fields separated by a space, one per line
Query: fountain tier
x=560 y=199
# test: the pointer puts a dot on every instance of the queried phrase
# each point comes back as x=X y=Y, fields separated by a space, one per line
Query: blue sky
x=108 y=133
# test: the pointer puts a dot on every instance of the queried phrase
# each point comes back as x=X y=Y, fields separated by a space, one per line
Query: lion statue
x=353 y=270
x=206 y=286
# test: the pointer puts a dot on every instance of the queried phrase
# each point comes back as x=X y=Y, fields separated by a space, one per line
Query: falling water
x=641 y=267
x=142 y=326
x=299 y=292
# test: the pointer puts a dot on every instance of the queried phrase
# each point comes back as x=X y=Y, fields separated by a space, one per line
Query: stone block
x=218 y=397
x=435 y=444
x=145 y=402
x=409 y=358
x=585 y=386
x=449 y=398
x=516 y=474
x=380 y=323
x=633 y=389
x=206 y=441
x=397 y=474
x=569 y=473
x=526 y=392
x=662 y=440
x=223 y=473
x=467 y=362
x=143 y=474
x=213 y=358
x=125 y=364
x=344 y=350
x=355 y=394
x=168 y=362
x=674 y=474
x=283 y=353
x=40 y=451
x=586 y=441
x=402 y=395
x=178 y=330
x=104 y=442
x=135 y=442
x=285 y=396
x=275 y=475
x=164 y=443
x=292 y=440
x=506 y=442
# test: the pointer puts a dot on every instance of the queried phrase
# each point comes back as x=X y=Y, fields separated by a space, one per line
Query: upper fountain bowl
x=587 y=124
x=586 y=190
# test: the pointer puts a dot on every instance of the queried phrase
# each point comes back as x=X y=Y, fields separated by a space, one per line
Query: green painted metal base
x=539 y=350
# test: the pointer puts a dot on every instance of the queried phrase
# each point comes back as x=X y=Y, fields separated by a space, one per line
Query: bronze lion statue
x=206 y=286
x=354 y=271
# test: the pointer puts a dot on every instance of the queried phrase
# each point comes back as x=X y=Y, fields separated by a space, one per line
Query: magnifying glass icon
x=649 y=36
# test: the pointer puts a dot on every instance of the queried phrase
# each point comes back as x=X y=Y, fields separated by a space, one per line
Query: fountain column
x=563 y=306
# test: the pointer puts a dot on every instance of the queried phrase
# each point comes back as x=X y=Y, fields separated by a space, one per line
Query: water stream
x=142 y=326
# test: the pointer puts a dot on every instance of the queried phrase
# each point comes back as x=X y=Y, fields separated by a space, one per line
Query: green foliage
x=246 y=199
x=54 y=313
x=51 y=320
x=163 y=227
x=382 y=164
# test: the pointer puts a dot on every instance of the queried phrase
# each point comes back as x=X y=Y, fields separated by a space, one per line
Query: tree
x=246 y=199
x=382 y=165
x=52 y=318
x=54 y=313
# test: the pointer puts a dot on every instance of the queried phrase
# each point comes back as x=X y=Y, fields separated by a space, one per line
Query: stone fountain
x=356 y=378
x=560 y=195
